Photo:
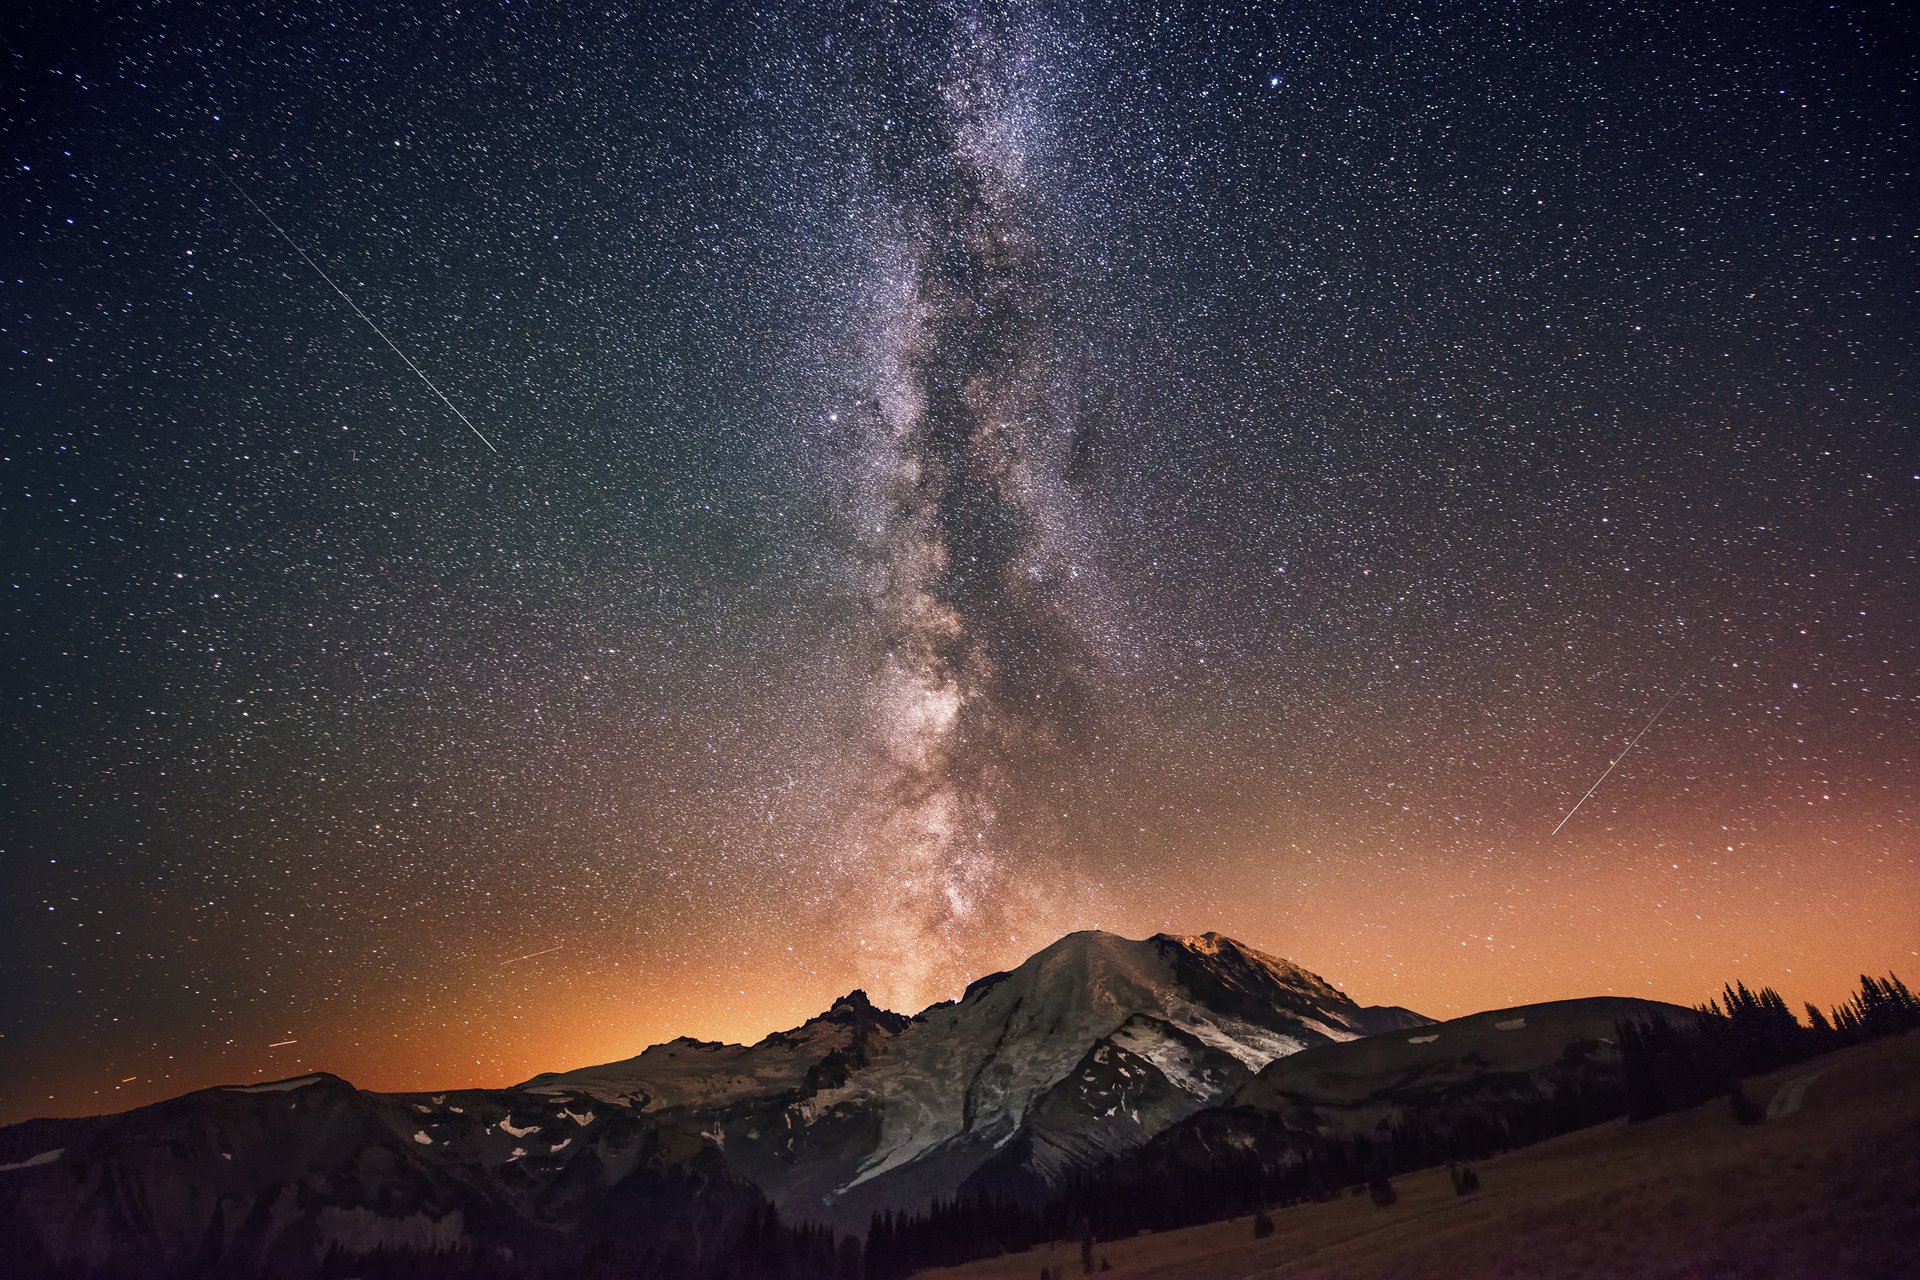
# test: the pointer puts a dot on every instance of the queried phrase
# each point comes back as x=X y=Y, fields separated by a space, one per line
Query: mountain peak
x=856 y=1009
x=1214 y=945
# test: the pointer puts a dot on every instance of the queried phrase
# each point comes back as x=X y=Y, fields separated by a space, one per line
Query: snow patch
x=277 y=1086
x=583 y=1119
x=34 y=1162
x=1254 y=1046
x=1510 y=1024
x=507 y=1126
x=1178 y=1062
x=420 y=1136
x=1422 y=1039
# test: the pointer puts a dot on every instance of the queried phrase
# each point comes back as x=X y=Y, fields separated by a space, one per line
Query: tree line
x=1668 y=1066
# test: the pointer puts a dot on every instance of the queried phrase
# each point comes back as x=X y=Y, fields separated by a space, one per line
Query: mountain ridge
x=1086 y=1050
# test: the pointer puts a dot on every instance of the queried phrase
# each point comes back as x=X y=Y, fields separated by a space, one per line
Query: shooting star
x=281 y=1044
x=1616 y=760
x=530 y=955
x=304 y=257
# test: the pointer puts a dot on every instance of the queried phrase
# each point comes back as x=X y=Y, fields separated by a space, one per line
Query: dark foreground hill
x=1827 y=1186
x=1316 y=1122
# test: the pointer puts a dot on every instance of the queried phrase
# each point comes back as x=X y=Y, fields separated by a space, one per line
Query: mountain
x=666 y=1160
x=1087 y=1049
x=270 y=1178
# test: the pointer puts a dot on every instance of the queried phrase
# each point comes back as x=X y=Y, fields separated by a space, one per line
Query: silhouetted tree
x=849 y=1264
x=1884 y=1007
x=1757 y=1030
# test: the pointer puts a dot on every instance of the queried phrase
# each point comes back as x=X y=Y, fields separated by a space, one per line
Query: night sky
x=950 y=476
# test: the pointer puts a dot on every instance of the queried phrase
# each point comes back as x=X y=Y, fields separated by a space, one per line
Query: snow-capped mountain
x=1090 y=1048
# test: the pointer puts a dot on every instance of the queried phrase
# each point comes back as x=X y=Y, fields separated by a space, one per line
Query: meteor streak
x=530 y=955
x=1616 y=760
x=304 y=257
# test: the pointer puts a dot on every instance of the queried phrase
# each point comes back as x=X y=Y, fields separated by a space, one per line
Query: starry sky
x=872 y=487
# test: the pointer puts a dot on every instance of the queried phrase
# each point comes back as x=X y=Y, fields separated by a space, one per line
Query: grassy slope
x=1832 y=1190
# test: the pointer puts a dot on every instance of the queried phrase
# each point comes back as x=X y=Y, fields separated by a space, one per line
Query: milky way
x=962 y=461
